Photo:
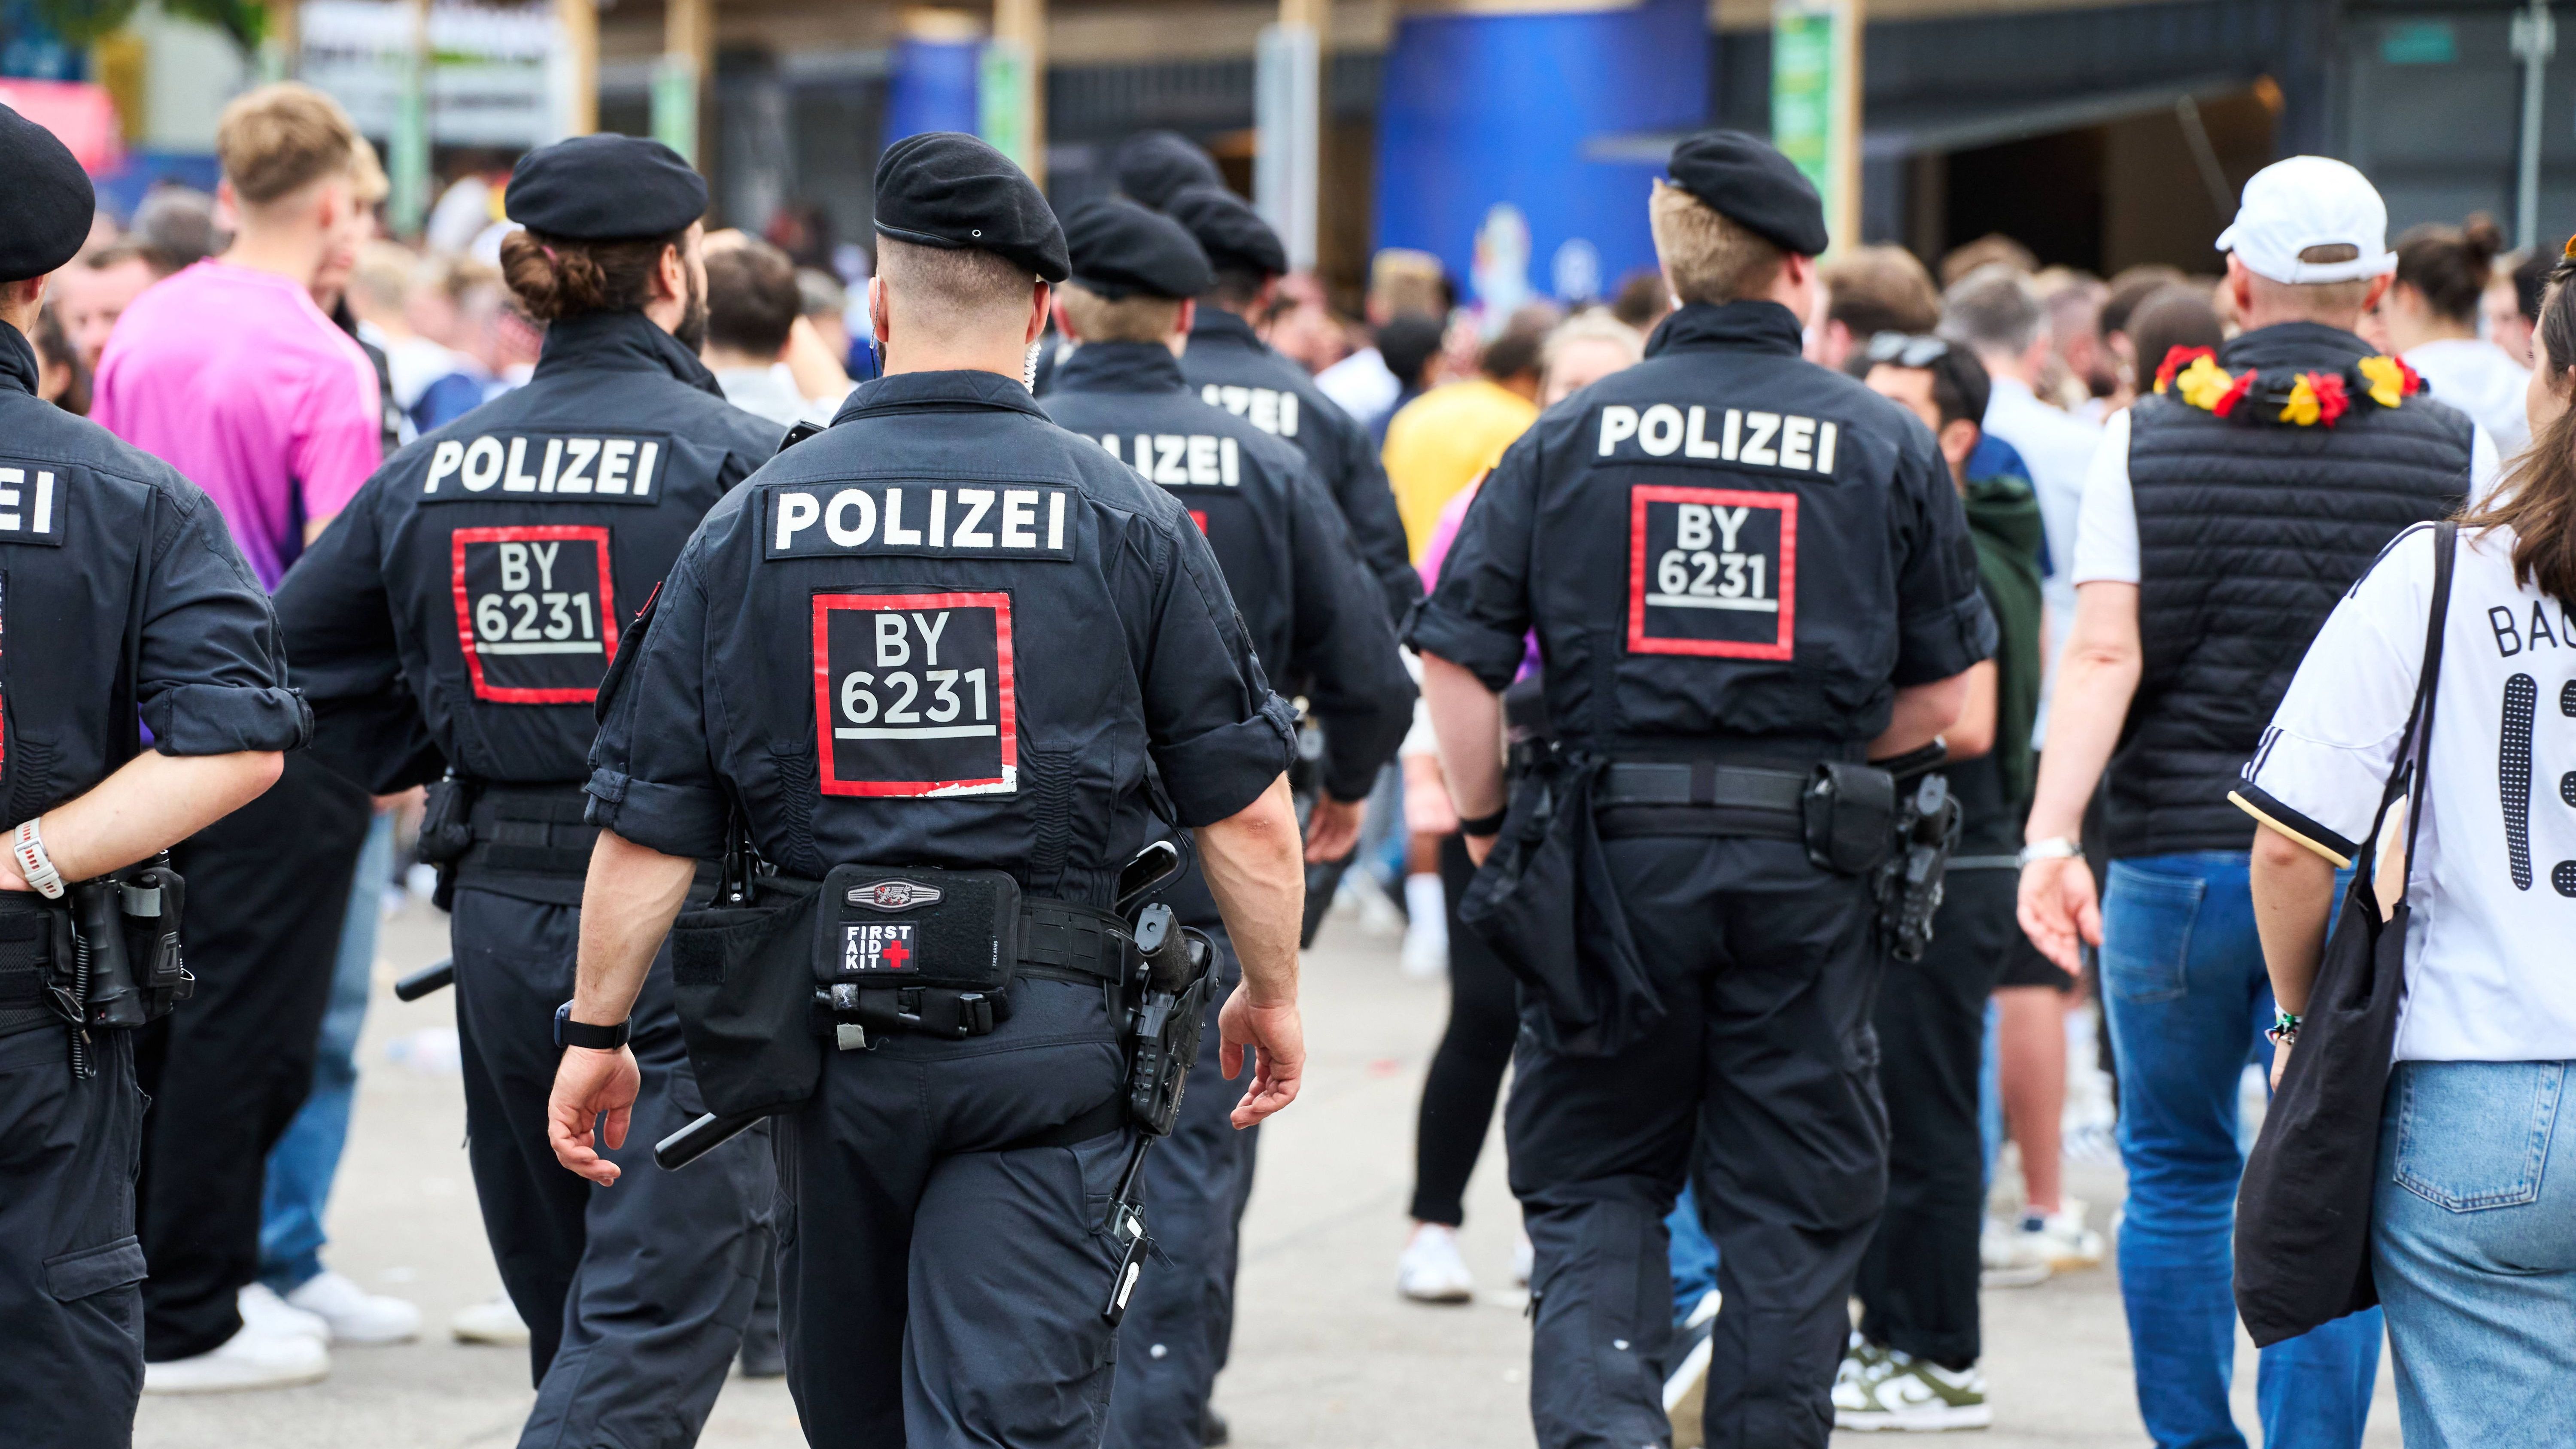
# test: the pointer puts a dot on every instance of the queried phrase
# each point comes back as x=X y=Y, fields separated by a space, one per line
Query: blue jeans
x=2183 y=979
x=2474 y=1245
x=1692 y=1257
x=302 y=1164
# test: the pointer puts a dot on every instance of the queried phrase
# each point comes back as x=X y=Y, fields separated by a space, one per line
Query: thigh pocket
x=71 y=1277
x=2473 y=1135
x=2147 y=919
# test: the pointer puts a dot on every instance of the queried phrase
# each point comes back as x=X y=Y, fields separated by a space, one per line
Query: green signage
x=1001 y=101
x=1808 y=99
x=675 y=105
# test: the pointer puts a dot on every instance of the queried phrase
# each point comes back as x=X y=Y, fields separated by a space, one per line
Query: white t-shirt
x=2106 y=529
x=2476 y=377
x=2491 y=948
x=2058 y=447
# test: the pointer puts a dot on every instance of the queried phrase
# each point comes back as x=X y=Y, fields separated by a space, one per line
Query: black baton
x=700 y=1137
x=436 y=976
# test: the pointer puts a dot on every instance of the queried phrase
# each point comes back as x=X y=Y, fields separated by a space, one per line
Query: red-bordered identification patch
x=914 y=694
x=1712 y=571
x=536 y=611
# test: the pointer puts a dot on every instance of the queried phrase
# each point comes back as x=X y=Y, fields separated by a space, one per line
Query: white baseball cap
x=2310 y=201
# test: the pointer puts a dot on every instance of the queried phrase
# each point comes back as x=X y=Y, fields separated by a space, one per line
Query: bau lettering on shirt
x=1177 y=460
x=996 y=520
x=1789 y=441
x=536 y=468
x=32 y=499
x=1268 y=409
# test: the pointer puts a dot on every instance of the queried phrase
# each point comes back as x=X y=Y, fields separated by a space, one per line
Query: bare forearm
x=2084 y=719
x=628 y=902
x=1921 y=712
x=151 y=803
x=2294 y=891
x=1973 y=733
x=1467 y=719
x=1255 y=867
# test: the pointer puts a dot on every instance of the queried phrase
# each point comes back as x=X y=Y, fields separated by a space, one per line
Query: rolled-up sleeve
x=212 y=675
x=1478 y=617
x=652 y=779
x=1943 y=624
x=1217 y=733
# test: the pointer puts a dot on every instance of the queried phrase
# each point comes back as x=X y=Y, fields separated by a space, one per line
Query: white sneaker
x=354 y=1314
x=1426 y=930
x=2010 y=1257
x=2062 y=1237
x=1431 y=1270
x=254 y=1358
x=1524 y=1258
x=262 y=1309
x=494 y=1321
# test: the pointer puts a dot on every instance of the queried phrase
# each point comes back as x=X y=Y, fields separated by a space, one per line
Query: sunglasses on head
x=2569 y=251
x=1912 y=351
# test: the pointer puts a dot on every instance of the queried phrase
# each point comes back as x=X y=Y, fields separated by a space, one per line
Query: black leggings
x=1467 y=1071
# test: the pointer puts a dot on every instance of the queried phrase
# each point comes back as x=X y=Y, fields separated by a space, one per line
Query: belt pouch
x=744 y=988
x=913 y=949
x=1850 y=812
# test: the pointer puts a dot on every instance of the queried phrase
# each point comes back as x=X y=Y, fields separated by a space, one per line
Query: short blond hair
x=279 y=139
x=944 y=287
x=1139 y=318
x=1709 y=257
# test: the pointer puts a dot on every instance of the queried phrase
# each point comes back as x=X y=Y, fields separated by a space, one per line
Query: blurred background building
x=1511 y=138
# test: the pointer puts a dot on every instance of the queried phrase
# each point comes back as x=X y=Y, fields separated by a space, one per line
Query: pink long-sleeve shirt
x=235 y=378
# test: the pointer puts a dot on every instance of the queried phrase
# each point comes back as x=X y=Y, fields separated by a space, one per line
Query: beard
x=692 y=331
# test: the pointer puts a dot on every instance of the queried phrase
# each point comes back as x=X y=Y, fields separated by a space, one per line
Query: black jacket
x=462 y=610
x=120 y=592
x=1234 y=369
x=1722 y=543
x=1305 y=597
x=944 y=632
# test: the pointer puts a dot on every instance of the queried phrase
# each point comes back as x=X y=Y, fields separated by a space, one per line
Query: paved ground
x=1326 y=1356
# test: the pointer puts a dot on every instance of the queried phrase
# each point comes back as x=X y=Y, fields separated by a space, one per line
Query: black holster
x=446 y=832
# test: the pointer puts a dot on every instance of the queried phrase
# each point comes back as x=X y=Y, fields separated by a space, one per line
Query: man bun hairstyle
x=556 y=277
x=275 y=141
x=2451 y=265
x=1709 y=257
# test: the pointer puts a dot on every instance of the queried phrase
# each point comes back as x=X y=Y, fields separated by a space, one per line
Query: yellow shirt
x=1439 y=442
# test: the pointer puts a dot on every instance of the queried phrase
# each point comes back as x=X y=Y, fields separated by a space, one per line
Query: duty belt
x=530 y=830
x=26 y=967
x=1702 y=797
x=1058 y=940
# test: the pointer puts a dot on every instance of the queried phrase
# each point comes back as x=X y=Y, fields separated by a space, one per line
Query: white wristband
x=27 y=851
x=2057 y=847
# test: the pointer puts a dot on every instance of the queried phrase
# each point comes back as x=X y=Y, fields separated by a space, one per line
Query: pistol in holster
x=1176 y=969
x=447 y=832
x=117 y=956
x=1926 y=830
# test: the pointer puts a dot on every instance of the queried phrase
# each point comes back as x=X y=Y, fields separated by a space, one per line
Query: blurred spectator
x=1869 y=290
x=175 y=227
x=469 y=206
x=1642 y=301
x=2074 y=305
x=1583 y=350
x=2431 y=312
x=1410 y=347
x=104 y=229
x=1995 y=312
x=1450 y=435
x=2130 y=374
x=91 y=293
x=825 y=303
x=432 y=384
x=62 y=378
x=753 y=305
x=451 y=303
x=1304 y=331
x=802 y=230
x=231 y=373
x=2512 y=305
x=1992 y=249
x=2172 y=316
x=1402 y=283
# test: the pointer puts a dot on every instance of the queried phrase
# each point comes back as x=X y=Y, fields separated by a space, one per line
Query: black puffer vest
x=2248 y=532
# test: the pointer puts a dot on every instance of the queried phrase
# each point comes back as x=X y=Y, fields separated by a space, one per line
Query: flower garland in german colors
x=2300 y=397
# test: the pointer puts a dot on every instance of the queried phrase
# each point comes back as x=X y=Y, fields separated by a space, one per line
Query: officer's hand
x=1278 y=1041
x=1332 y=828
x=589 y=1084
x=2058 y=910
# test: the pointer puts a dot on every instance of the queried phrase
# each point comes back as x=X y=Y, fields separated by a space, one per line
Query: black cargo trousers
x=1766 y=1058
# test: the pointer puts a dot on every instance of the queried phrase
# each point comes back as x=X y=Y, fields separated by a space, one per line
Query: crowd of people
x=2154 y=490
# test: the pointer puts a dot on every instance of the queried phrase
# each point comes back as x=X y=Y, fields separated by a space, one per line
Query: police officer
x=1306 y=602
x=1149 y=167
x=1748 y=576
x=1229 y=365
x=129 y=599
x=460 y=616
x=944 y=635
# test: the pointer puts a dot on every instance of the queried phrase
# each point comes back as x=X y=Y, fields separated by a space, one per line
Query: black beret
x=1231 y=232
x=600 y=188
x=49 y=219
x=1151 y=165
x=1745 y=180
x=1120 y=249
x=947 y=189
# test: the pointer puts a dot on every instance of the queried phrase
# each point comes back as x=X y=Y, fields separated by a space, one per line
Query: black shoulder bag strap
x=2416 y=751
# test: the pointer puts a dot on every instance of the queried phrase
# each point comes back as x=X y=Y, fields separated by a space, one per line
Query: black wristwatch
x=571 y=1033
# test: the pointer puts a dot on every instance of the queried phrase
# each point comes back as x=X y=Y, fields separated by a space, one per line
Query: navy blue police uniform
x=122 y=596
x=946 y=634
x=1309 y=606
x=457 y=619
x=1732 y=559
